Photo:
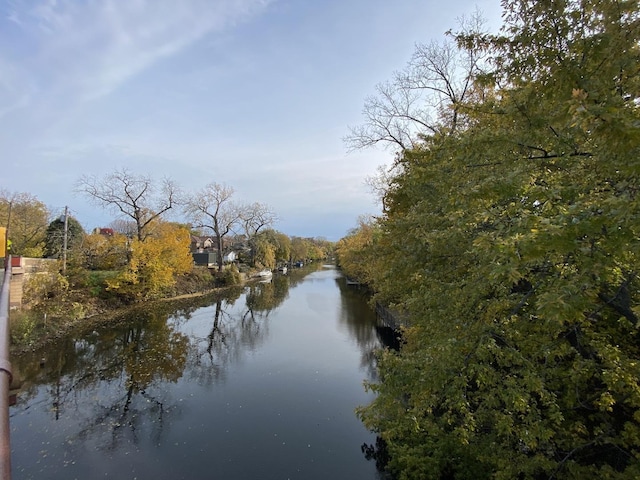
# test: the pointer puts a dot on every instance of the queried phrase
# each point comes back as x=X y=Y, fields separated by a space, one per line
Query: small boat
x=264 y=273
x=283 y=269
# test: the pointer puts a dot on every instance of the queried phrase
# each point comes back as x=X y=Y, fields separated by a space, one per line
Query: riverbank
x=33 y=329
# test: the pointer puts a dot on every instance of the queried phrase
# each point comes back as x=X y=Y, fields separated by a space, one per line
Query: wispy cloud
x=86 y=49
x=16 y=89
x=253 y=93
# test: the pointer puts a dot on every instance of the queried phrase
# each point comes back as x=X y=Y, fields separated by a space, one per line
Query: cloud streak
x=86 y=50
x=253 y=93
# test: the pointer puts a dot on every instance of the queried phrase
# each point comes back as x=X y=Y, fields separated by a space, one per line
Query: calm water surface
x=261 y=384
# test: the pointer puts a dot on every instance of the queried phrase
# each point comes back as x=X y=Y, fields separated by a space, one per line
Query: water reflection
x=357 y=317
x=102 y=380
x=136 y=385
x=232 y=332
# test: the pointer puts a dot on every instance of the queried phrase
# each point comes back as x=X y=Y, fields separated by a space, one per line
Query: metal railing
x=5 y=375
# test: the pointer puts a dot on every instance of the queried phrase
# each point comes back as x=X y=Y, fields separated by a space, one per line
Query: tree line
x=510 y=238
x=143 y=253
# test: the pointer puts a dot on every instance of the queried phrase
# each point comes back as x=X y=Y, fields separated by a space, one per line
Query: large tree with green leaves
x=26 y=218
x=513 y=245
x=55 y=236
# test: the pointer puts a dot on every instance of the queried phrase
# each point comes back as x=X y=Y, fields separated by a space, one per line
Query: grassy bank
x=56 y=307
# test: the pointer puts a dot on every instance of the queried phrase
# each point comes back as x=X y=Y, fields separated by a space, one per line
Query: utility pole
x=64 y=241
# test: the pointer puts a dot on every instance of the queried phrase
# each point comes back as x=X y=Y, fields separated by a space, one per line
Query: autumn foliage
x=513 y=245
x=154 y=263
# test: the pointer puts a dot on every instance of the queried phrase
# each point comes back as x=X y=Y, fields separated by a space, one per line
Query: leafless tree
x=134 y=196
x=128 y=228
x=427 y=96
x=255 y=217
x=212 y=208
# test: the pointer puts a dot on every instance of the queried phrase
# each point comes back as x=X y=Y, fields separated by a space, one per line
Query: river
x=259 y=384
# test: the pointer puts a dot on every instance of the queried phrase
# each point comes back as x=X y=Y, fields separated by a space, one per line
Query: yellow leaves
x=46 y=291
x=356 y=253
x=104 y=252
x=265 y=254
x=29 y=220
x=155 y=262
x=605 y=402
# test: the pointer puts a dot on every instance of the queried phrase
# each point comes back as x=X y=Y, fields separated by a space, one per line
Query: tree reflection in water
x=116 y=368
x=357 y=317
x=121 y=366
x=235 y=331
x=109 y=389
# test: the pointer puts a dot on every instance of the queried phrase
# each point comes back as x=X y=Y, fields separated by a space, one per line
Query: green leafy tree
x=310 y=248
x=299 y=249
x=28 y=218
x=513 y=245
x=265 y=253
x=54 y=241
x=279 y=251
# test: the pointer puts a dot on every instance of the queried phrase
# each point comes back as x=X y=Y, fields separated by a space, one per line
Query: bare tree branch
x=213 y=209
x=255 y=217
x=427 y=96
x=131 y=195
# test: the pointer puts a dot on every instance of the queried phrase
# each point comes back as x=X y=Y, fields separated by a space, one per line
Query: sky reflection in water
x=259 y=385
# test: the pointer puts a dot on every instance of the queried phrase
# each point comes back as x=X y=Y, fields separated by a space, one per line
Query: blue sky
x=255 y=94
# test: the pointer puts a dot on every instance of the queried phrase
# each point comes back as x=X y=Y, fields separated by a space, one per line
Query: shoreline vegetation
x=99 y=283
x=77 y=275
x=510 y=239
x=33 y=329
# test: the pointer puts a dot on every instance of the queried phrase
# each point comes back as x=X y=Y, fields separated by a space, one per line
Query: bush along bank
x=54 y=305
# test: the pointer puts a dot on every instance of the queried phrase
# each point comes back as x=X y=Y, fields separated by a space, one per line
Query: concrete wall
x=22 y=268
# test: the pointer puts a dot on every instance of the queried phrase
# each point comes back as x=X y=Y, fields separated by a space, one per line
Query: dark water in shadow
x=261 y=384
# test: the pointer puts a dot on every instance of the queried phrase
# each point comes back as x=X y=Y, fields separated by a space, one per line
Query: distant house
x=200 y=244
x=204 y=251
x=104 y=231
